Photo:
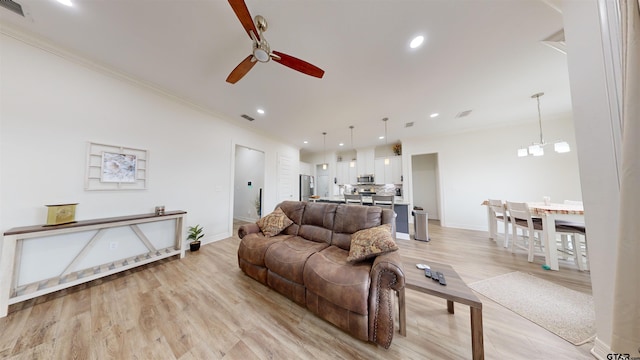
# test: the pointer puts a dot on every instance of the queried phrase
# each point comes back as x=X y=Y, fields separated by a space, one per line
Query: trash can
x=420 y=224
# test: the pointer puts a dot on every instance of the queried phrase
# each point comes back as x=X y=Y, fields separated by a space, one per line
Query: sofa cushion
x=274 y=223
x=353 y=218
x=287 y=258
x=330 y=276
x=253 y=247
x=371 y=242
x=294 y=211
x=317 y=222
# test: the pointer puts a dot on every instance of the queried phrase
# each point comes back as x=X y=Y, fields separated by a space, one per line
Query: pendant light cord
x=537 y=96
x=351 y=127
x=324 y=147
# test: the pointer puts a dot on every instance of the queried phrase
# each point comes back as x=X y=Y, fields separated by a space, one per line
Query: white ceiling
x=480 y=55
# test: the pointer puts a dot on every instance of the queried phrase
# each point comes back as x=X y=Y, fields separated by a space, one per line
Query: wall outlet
x=113 y=245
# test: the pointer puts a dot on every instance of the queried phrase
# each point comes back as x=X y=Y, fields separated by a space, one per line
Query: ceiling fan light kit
x=537 y=148
x=261 y=49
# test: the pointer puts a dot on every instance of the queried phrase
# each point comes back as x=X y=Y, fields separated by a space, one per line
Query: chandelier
x=537 y=148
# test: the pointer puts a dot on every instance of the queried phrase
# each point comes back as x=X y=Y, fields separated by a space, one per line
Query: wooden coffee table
x=455 y=291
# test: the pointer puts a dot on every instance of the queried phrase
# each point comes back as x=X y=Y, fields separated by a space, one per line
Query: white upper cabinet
x=345 y=174
x=390 y=173
x=365 y=161
x=353 y=172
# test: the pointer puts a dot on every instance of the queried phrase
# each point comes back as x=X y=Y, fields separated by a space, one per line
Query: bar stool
x=384 y=201
x=353 y=199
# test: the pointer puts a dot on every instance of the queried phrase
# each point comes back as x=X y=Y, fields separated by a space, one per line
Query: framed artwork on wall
x=118 y=167
x=111 y=167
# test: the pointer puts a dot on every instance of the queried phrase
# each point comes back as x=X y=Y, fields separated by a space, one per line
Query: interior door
x=248 y=183
x=286 y=178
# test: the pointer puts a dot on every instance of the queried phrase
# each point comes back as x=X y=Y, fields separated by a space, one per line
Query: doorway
x=322 y=181
x=248 y=184
x=424 y=180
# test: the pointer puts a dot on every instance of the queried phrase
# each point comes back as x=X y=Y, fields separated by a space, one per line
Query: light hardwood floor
x=204 y=307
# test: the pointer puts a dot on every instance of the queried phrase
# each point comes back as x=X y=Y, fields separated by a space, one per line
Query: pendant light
x=537 y=149
x=352 y=163
x=324 y=146
x=386 y=159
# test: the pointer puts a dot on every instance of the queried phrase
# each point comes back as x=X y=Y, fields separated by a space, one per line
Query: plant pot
x=194 y=246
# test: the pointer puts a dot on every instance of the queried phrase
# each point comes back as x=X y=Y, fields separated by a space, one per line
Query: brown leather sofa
x=307 y=263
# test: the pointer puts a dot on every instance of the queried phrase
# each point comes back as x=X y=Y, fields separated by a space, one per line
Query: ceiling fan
x=261 y=49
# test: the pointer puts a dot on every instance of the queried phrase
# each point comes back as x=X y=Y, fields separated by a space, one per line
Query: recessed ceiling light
x=341 y=144
x=434 y=115
x=417 y=41
x=381 y=137
x=65 y=2
x=260 y=111
x=306 y=142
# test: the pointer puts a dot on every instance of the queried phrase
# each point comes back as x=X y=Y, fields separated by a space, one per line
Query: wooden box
x=61 y=214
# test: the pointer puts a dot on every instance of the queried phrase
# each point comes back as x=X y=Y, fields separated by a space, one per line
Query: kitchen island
x=400 y=207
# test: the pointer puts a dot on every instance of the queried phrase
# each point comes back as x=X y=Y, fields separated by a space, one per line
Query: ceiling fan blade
x=241 y=70
x=242 y=12
x=297 y=64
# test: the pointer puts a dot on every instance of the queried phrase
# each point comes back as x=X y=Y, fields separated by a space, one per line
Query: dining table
x=550 y=212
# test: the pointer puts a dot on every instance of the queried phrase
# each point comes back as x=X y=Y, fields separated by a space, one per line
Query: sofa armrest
x=247 y=229
x=387 y=274
x=391 y=263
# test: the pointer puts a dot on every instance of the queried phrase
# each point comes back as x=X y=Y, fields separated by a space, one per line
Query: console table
x=12 y=253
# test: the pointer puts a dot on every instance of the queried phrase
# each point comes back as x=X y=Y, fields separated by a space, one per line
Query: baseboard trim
x=216 y=237
x=600 y=350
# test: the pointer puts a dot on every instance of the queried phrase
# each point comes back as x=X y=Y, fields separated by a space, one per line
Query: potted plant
x=195 y=234
x=397 y=149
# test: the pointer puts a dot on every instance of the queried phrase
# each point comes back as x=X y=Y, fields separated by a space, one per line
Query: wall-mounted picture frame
x=112 y=167
x=118 y=168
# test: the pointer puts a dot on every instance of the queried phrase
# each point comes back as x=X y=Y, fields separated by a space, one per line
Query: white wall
x=476 y=166
x=249 y=168
x=51 y=106
x=305 y=169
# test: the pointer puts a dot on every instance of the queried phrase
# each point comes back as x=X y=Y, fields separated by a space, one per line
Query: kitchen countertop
x=365 y=199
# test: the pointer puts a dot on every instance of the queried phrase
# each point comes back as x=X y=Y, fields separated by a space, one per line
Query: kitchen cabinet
x=345 y=174
x=365 y=163
x=388 y=173
x=396 y=169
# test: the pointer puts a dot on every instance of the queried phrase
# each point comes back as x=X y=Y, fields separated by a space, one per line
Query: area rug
x=567 y=313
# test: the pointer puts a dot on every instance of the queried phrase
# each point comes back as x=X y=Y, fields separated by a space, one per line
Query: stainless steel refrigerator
x=306 y=187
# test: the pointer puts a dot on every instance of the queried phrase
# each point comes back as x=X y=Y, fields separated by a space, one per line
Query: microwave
x=365 y=179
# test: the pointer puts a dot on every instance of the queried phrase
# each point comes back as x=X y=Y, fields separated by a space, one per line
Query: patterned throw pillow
x=371 y=242
x=274 y=223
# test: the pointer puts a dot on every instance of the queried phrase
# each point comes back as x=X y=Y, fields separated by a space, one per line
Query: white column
x=591 y=59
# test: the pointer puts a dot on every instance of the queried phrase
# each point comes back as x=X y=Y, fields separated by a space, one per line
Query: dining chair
x=520 y=218
x=383 y=201
x=353 y=199
x=574 y=239
x=499 y=212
